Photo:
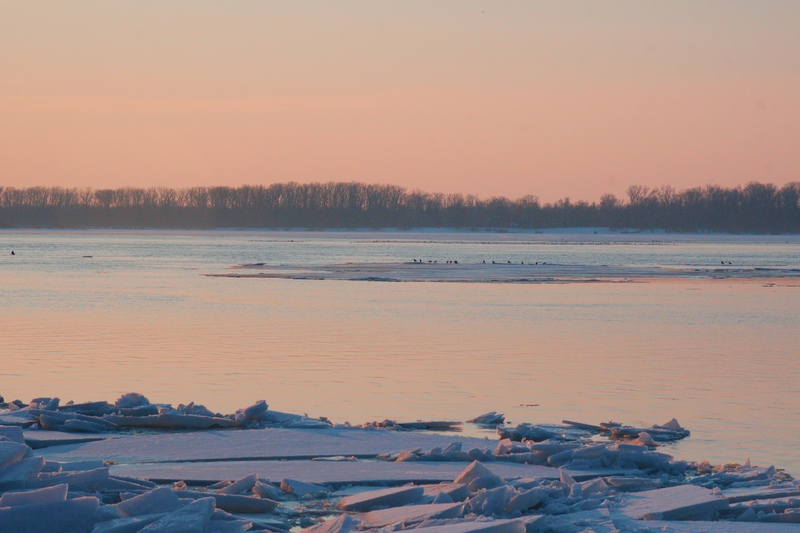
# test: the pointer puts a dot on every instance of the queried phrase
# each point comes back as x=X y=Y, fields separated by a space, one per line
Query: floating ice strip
x=497 y=272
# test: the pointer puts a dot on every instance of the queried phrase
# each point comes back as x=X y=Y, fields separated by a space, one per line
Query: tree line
x=753 y=208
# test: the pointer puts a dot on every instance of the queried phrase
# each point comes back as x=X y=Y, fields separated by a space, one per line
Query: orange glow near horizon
x=566 y=100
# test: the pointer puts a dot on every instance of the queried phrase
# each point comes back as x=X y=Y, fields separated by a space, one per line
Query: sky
x=553 y=99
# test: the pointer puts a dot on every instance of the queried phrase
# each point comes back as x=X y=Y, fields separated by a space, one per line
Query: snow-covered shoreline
x=131 y=466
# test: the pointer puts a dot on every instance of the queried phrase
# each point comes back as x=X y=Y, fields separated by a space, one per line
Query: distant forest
x=754 y=208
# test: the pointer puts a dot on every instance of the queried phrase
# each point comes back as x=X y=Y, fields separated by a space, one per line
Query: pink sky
x=553 y=99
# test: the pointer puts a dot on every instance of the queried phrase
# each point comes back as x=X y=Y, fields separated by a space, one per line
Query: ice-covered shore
x=134 y=466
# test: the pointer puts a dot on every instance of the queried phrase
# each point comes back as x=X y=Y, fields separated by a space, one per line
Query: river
x=89 y=315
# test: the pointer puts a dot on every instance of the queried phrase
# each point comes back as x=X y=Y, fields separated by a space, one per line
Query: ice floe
x=494 y=272
x=262 y=471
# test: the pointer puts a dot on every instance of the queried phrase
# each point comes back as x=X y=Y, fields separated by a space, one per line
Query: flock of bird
x=453 y=262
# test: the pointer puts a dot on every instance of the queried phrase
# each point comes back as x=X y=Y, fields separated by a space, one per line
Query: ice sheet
x=255 y=444
x=673 y=503
x=335 y=473
x=38 y=439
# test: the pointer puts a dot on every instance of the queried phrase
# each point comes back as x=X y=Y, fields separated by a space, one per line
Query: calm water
x=140 y=315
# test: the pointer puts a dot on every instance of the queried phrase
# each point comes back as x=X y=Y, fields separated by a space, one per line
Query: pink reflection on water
x=717 y=355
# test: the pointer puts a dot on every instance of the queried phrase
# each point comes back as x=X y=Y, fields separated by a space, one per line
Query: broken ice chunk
x=442 y=498
x=143 y=410
x=58 y=421
x=223 y=522
x=155 y=501
x=308 y=423
x=233 y=503
x=243 y=485
x=12 y=433
x=491 y=418
x=485 y=482
x=267 y=490
x=67 y=515
x=632 y=484
x=456 y=491
x=341 y=524
x=129 y=524
x=172 y=421
x=411 y=514
x=19 y=417
x=88 y=479
x=566 y=478
x=88 y=408
x=47 y=495
x=682 y=502
x=302 y=489
x=393 y=497
x=777 y=490
x=658 y=433
x=472 y=472
x=492 y=502
x=673 y=425
x=255 y=411
x=193 y=517
x=19 y=474
x=525 y=500
x=11 y=452
x=592 y=486
x=508 y=447
x=526 y=432
x=195 y=409
x=645 y=439
x=131 y=399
